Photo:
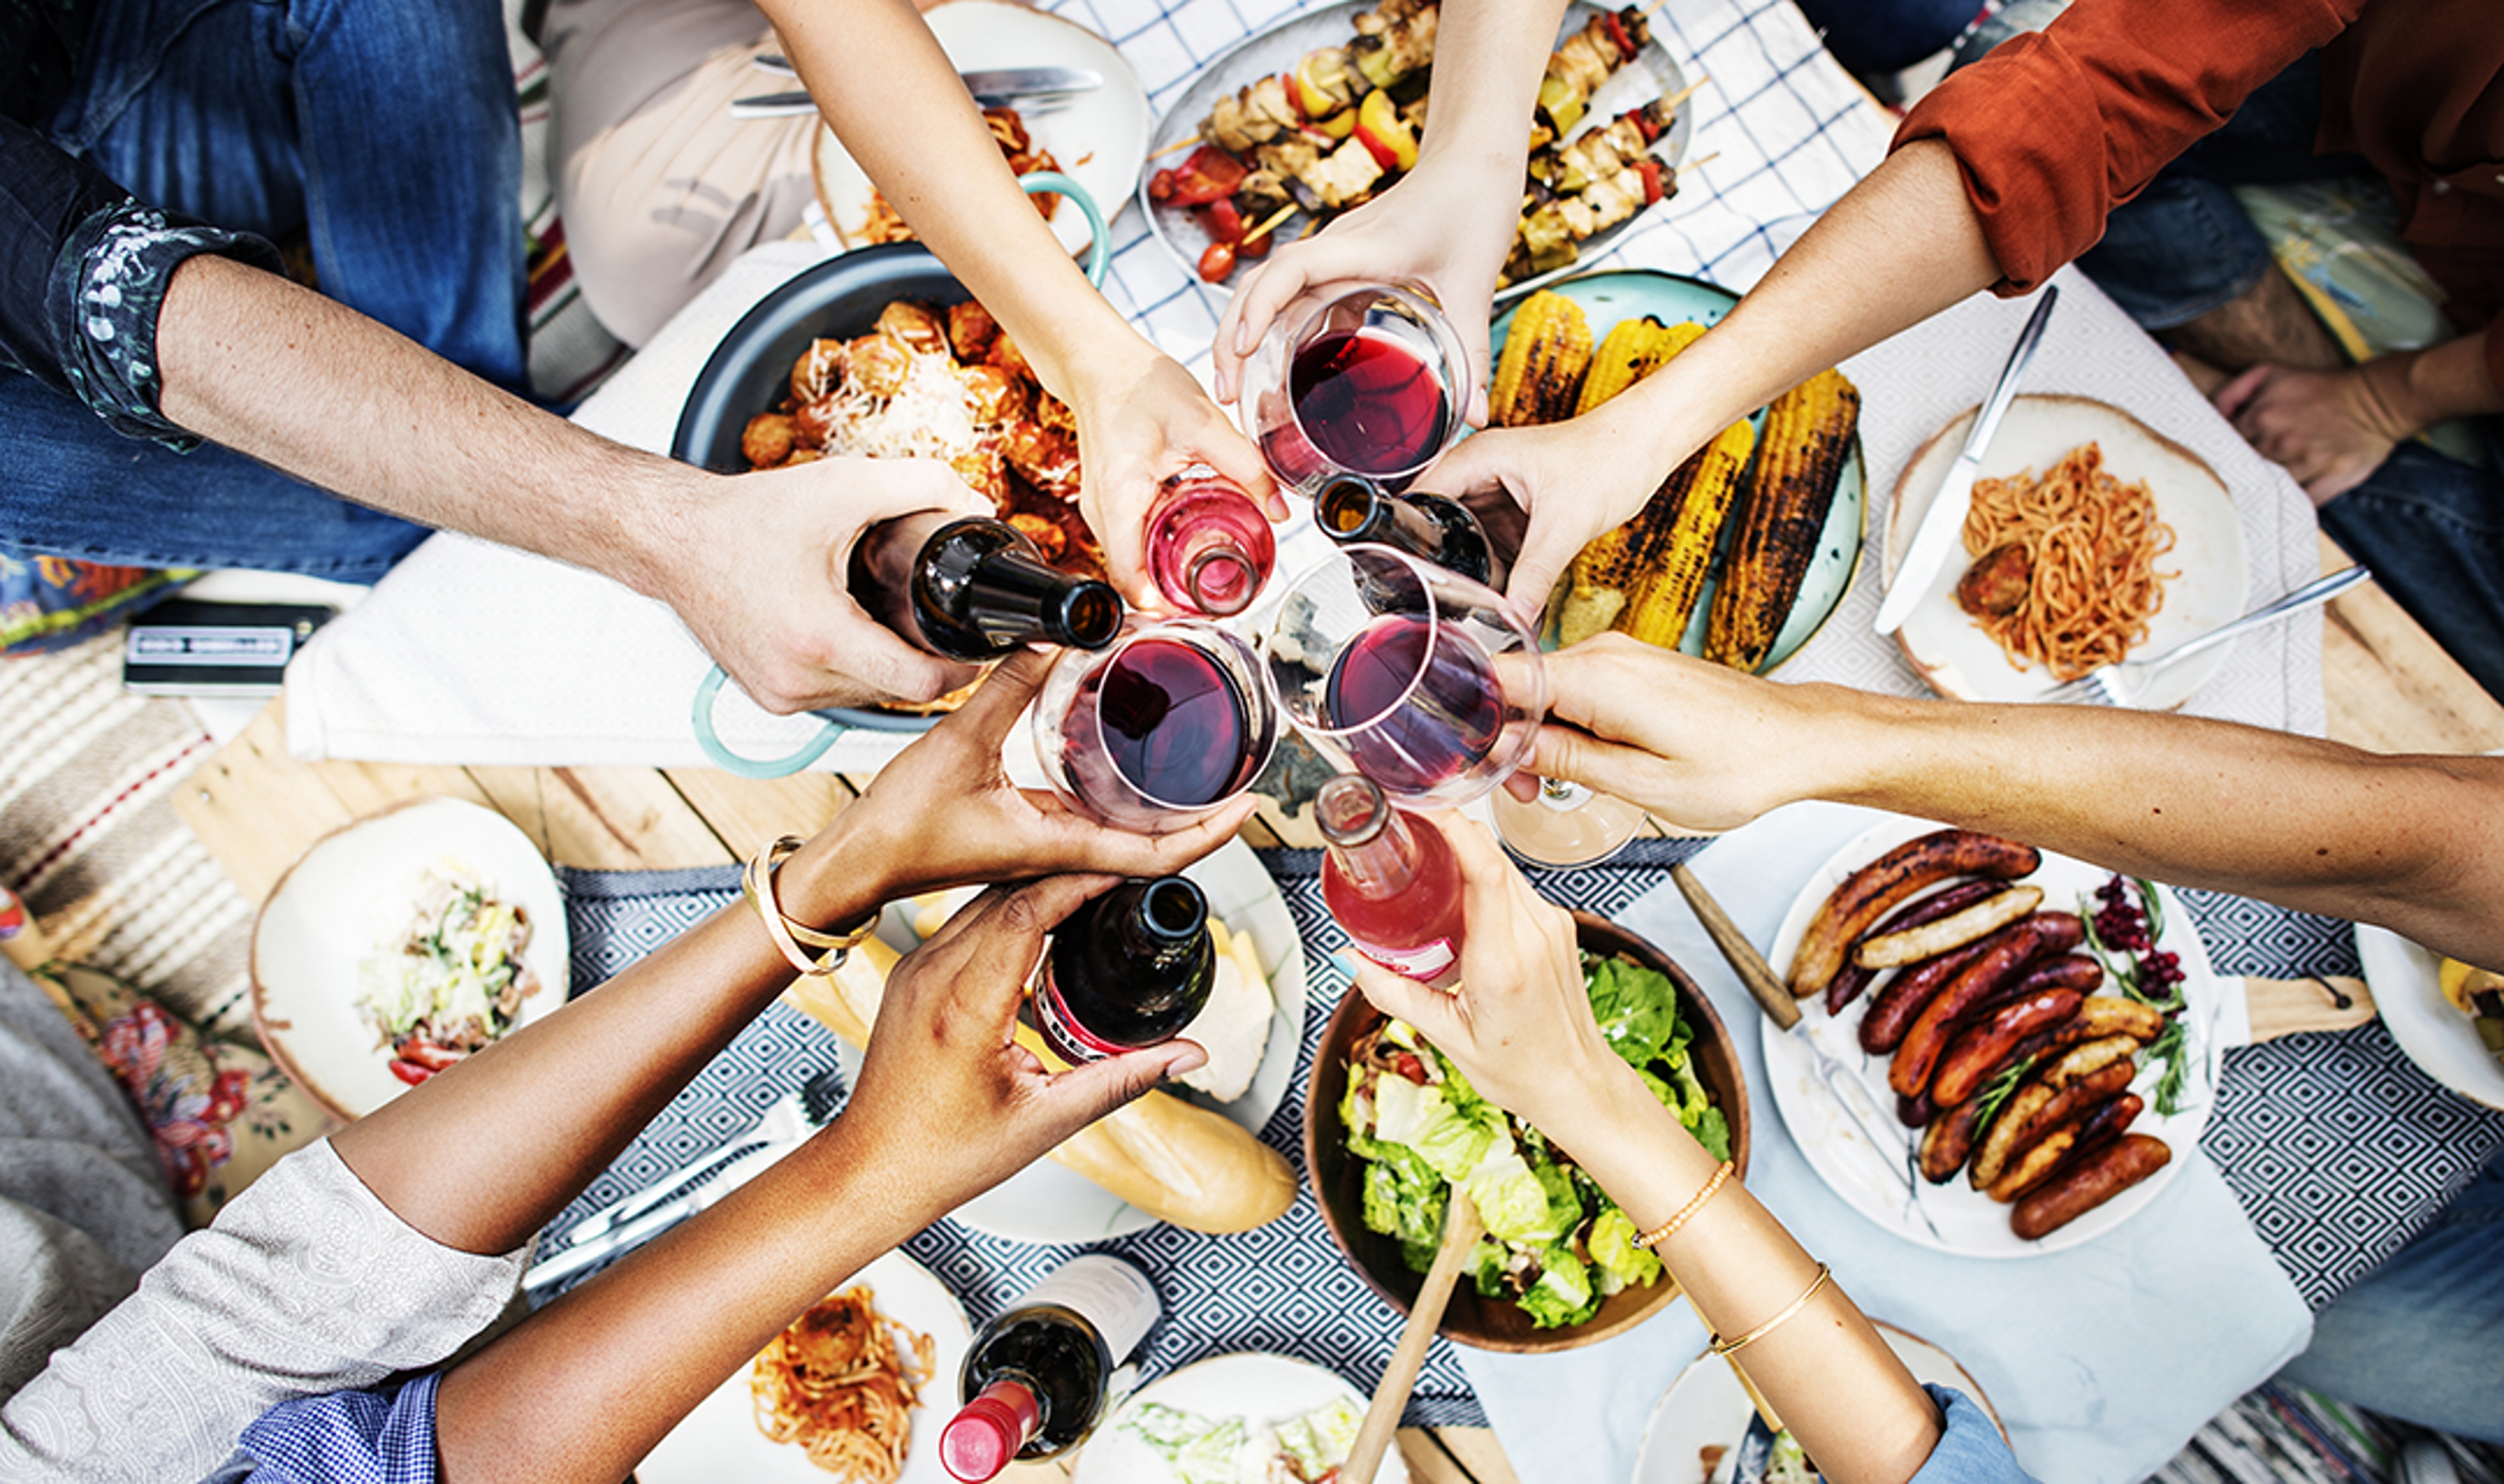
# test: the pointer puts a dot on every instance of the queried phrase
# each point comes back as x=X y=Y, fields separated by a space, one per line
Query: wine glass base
x=1542 y=833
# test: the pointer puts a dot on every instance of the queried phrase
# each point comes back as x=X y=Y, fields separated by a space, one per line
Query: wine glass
x=1421 y=679
x=1565 y=825
x=1171 y=721
x=1354 y=378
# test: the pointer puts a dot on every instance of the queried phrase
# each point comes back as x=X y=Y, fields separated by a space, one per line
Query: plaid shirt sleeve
x=382 y=1436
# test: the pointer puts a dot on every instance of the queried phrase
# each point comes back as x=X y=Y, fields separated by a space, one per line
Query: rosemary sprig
x=2002 y=1086
x=2172 y=1048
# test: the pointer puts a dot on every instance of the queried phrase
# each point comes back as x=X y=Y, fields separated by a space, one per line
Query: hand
x=1700 y=745
x=1439 y=226
x=1520 y=1025
x=1574 y=480
x=2328 y=429
x=1142 y=419
x=944 y=814
x=944 y=1060
x=757 y=567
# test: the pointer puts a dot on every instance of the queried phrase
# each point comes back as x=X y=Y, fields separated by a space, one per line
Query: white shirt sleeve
x=307 y=1284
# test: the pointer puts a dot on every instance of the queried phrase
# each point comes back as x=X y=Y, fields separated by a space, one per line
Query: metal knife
x=634 y=1233
x=1894 y=1148
x=1945 y=518
x=991 y=89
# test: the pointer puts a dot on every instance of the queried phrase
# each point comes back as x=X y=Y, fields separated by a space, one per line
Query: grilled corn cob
x=1808 y=437
x=1705 y=486
x=1629 y=353
x=1605 y=574
x=1540 y=370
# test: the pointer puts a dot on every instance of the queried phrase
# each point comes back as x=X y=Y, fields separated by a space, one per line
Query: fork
x=789 y=1120
x=2125 y=682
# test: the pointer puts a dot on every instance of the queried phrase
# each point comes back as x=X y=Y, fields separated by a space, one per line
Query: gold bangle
x=1721 y=1346
x=1669 y=1228
x=758 y=883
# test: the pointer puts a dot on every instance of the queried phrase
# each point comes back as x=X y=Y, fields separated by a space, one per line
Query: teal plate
x=1626 y=293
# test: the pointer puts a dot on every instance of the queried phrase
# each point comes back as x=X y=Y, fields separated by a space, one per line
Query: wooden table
x=256 y=809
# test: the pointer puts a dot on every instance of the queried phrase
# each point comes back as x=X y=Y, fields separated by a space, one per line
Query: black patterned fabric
x=2338 y=1147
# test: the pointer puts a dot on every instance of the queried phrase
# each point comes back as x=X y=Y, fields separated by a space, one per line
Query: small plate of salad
x=401 y=943
x=1247 y=1417
x=1393 y=1129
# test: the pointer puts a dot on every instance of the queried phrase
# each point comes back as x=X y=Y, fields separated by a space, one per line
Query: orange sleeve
x=2054 y=128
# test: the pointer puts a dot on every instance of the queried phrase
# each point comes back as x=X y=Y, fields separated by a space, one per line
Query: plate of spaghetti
x=2091 y=538
x=854 y=1391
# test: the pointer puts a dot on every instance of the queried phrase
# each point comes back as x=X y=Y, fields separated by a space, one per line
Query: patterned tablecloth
x=2336 y=1145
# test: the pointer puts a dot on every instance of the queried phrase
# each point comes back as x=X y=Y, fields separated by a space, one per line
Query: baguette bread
x=1177 y=1162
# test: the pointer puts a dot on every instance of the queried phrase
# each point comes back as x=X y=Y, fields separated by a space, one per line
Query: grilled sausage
x=1948 y=1140
x=2033 y=1163
x=2113 y=1015
x=2005 y=957
x=1995 y=1141
x=2108 y=1121
x=1872 y=891
x=1900 y=1001
x=1916 y=1112
x=2096 y=1177
x=1978 y=1052
x=2012 y=1143
x=1912 y=945
x=2086 y=1059
x=1848 y=984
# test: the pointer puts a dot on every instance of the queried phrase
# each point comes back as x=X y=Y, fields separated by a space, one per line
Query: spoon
x=1461 y=1232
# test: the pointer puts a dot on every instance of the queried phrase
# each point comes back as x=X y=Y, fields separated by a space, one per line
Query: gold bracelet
x=1721 y=1346
x=1669 y=1228
x=758 y=883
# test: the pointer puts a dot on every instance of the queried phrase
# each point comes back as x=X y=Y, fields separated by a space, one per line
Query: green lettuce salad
x=1554 y=1244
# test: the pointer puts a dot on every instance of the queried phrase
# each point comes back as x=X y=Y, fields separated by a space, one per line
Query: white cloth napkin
x=2101 y=1359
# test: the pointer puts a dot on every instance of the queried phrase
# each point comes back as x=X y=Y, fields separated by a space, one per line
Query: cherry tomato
x=1161 y=186
x=1217 y=262
x=1221 y=221
x=1208 y=174
x=411 y=1072
x=1255 y=247
x=1407 y=1064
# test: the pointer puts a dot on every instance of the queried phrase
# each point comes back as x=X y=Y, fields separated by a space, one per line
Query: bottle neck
x=1161 y=924
x=1428 y=527
x=980 y=589
x=981 y=1439
x=1369 y=842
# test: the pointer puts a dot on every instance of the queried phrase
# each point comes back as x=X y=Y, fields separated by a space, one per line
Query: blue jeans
x=385 y=130
x=2422 y=1336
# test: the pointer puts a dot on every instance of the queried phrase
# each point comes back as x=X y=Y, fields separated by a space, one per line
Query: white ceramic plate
x=1099 y=137
x=1706 y=1408
x=1047 y=1202
x=1652 y=74
x=1969 y=1223
x=2437 y=1037
x=352 y=892
x=1957 y=659
x=1253 y=1385
x=719 y=1440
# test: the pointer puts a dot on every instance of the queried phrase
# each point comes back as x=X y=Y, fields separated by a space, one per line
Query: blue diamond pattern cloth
x=2337 y=1145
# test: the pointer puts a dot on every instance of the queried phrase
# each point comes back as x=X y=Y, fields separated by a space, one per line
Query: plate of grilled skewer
x=1321 y=113
x=1749 y=547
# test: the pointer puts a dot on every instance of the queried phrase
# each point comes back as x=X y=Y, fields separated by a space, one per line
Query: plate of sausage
x=2043 y=1030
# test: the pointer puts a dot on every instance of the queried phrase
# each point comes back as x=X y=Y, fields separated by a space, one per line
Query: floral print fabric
x=118 y=263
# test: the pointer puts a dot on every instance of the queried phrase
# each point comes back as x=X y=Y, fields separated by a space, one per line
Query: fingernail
x=1242 y=337
x=1345 y=961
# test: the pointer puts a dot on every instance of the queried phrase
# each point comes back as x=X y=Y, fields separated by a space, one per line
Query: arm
x=1440 y=225
x=559 y=1098
x=1900 y=247
x=947 y=1105
x=2333 y=429
x=2404 y=842
x=1521 y=1027
x=892 y=95
x=755 y=564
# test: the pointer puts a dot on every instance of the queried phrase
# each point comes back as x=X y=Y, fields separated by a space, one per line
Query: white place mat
x=2102 y=1359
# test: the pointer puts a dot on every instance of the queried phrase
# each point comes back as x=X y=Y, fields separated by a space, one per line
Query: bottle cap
x=979 y=1441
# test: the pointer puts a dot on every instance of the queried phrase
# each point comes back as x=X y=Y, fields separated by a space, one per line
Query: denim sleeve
x=1972 y=1450
x=84 y=269
x=384 y=1437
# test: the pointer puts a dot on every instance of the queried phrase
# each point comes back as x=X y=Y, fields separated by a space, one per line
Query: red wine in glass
x=1368 y=401
x=1390 y=881
x=1210 y=546
x=1168 y=719
x=1419 y=702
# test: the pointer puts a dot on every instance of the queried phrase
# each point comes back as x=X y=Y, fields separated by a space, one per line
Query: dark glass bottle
x=973 y=589
x=1036 y=1379
x=1129 y=968
x=1431 y=527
